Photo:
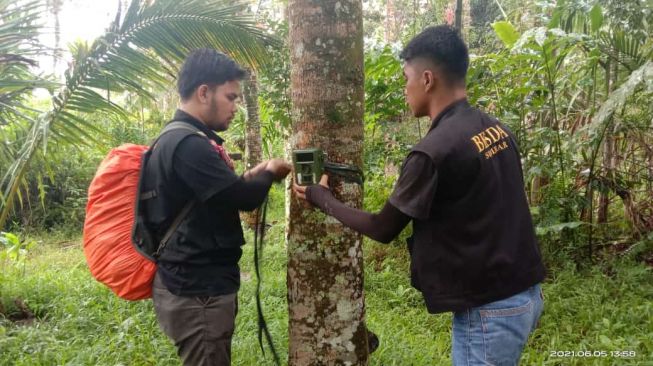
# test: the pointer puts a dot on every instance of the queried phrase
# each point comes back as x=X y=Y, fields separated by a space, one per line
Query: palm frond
x=19 y=31
x=135 y=55
x=627 y=49
x=643 y=76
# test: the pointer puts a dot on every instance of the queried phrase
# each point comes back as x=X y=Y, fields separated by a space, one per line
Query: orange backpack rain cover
x=110 y=213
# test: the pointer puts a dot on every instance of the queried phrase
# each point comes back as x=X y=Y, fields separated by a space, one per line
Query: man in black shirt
x=197 y=280
x=473 y=249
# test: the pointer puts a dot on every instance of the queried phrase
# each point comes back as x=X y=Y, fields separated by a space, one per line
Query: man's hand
x=300 y=191
x=279 y=168
x=258 y=169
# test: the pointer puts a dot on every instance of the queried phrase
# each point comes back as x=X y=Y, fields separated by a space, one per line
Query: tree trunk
x=608 y=151
x=253 y=142
x=466 y=20
x=542 y=180
x=482 y=13
x=392 y=23
x=608 y=173
x=648 y=156
x=55 y=8
x=325 y=264
x=458 y=22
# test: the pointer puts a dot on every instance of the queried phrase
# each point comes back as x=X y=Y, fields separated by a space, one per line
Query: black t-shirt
x=414 y=191
x=200 y=168
x=201 y=257
x=473 y=239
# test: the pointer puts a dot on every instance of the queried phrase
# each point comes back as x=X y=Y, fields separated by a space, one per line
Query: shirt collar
x=185 y=117
x=448 y=110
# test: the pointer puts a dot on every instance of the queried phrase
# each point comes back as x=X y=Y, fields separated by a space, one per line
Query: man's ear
x=203 y=93
x=429 y=80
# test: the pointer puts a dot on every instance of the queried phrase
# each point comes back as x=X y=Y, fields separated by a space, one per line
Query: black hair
x=443 y=46
x=206 y=66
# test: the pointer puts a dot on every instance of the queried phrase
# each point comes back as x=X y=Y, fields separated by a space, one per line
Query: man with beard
x=193 y=188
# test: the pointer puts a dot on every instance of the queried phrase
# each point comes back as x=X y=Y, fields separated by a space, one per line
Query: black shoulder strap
x=173 y=227
x=176 y=126
x=172 y=126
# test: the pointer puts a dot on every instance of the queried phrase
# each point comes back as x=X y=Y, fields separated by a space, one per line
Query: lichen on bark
x=325 y=267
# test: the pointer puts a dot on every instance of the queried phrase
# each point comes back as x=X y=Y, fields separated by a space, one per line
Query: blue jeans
x=495 y=333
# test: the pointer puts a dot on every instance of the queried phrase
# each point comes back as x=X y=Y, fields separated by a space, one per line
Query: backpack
x=119 y=249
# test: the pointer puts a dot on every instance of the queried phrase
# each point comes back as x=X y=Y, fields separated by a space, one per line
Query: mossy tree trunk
x=325 y=264
x=458 y=22
x=253 y=141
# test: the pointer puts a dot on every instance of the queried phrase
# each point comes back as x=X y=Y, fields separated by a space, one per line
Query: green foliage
x=506 y=32
x=56 y=193
x=79 y=321
x=596 y=17
x=563 y=88
x=483 y=13
x=565 y=77
x=384 y=84
x=573 y=321
x=134 y=55
x=388 y=136
x=13 y=249
x=19 y=48
x=274 y=94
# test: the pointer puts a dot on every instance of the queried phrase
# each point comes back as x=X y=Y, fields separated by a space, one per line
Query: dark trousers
x=200 y=327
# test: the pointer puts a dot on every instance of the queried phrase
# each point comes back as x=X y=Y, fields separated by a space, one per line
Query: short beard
x=218 y=126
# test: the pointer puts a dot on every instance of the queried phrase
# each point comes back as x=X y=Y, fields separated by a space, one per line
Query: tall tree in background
x=325 y=265
x=54 y=6
x=253 y=150
x=392 y=23
x=462 y=19
x=482 y=13
x=253 y=142
x=609 y=161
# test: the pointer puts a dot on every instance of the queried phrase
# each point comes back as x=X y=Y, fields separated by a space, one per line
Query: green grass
x=80 y=322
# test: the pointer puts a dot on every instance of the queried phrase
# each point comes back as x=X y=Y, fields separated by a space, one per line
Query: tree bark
x=253 y=141
x=608 y=152
x=458 y=23
x=609 y=166
x=54 y=7
x=325 y=264
x=392 y=22
x=466 y=19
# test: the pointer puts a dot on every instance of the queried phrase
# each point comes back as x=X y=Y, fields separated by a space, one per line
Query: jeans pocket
x=505 y=332
x=503 y=312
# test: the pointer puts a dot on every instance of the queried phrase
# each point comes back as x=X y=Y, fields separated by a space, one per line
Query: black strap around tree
x=350 y=173
x=259 y=234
